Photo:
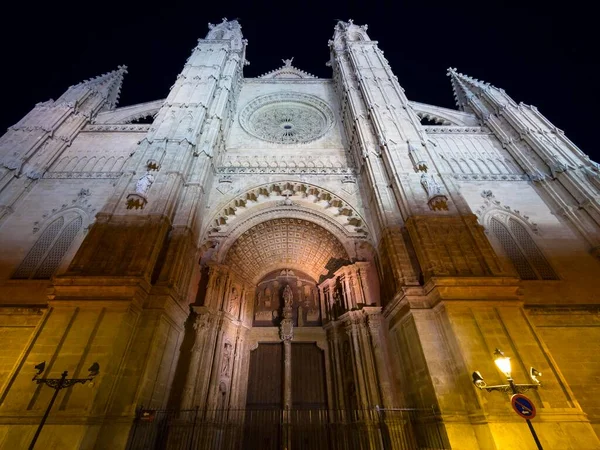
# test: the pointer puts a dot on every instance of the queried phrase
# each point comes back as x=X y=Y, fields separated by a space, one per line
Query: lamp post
x=503 y=363
x=57 y=384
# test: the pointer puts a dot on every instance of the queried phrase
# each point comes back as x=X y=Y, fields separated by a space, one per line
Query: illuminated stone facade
x=407 y=241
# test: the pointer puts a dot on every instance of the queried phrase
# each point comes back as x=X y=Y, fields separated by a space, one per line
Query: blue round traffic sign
x=523 y=406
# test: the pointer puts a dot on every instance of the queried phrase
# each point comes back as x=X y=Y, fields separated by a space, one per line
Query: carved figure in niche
x=144 y=183
x=337 y=302
x=259 y=298
x=233 y=301
x=275 y=294
x=300 y=316
x=347 y=357
x=275 y=314
x=225 y=365
x=288 y=296
x=268 y=297
x=307 y=296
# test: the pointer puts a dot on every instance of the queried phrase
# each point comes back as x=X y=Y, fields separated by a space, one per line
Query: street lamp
x=57 y=384
x=503 y=363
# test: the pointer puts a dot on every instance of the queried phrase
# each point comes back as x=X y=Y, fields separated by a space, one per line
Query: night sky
x=541 y=54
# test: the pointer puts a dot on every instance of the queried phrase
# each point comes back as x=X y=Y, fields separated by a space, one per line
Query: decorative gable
x=287 y=71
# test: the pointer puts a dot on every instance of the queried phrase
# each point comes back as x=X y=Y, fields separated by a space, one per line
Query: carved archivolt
x=287 y=118
x=290 y=194
x=284 y=243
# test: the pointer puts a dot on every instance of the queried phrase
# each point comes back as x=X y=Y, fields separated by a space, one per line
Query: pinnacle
x=465 y=87
x=108 y=85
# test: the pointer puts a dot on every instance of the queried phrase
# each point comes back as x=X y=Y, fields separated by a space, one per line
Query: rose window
x=287 y=118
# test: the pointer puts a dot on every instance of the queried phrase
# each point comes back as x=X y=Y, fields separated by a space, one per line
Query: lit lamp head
x=503 y=362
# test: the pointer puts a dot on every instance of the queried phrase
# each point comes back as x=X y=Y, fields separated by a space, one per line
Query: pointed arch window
x=46 y=254
x=522 y=250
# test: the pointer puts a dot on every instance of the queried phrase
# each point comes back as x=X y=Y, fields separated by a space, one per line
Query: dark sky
x=541 y=53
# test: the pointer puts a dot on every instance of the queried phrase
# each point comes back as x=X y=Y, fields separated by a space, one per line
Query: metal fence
x=296 y=429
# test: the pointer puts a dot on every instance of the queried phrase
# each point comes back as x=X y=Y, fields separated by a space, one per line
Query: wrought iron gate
x=297 y=429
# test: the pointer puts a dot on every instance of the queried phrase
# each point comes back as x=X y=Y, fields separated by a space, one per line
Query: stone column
x=351 y=325
x=337 y=379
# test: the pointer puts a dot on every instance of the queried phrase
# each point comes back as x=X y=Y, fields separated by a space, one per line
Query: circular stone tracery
x=287 y=118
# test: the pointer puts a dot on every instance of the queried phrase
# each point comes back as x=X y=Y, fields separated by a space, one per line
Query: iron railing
x=295 y=429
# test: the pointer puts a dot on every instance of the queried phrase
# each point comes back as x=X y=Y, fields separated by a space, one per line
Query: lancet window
x=522 y=250
x=46 y=254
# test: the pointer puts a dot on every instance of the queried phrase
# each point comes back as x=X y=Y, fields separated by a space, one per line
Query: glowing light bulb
x=503 y=362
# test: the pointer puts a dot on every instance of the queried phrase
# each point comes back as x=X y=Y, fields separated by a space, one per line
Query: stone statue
x=226 y=359
x=144 y=184
x=288 y=62
x=435 y=198
x=288 y=296
x=431 y=186
x=300 y=316
x=233 y=300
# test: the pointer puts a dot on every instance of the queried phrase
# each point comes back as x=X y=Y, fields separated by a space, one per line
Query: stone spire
x=108 y=85
x=542 y=150
x=465 y=87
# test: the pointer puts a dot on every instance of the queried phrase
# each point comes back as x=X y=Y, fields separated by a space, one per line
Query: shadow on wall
x=185 y=353
x=332 y=265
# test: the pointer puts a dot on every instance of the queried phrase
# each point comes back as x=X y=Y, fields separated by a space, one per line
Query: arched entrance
x=287 y=323
x=277 y=288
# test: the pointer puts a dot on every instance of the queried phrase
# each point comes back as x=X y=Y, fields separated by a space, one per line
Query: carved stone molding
x=489 y=177
x=286 y=164
x=441 y=129
x=279 y=170
x=130 y=127
x=18 y=311
x=84 y=175
x=286 y=81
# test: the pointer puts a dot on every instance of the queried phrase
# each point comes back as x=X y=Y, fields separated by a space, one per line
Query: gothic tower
x=295 y=262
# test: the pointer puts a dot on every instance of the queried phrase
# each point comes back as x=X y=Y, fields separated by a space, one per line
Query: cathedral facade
x=291 y=242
